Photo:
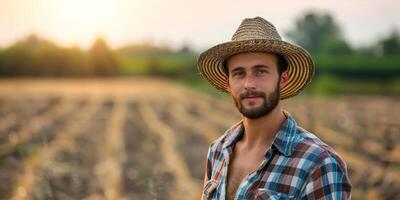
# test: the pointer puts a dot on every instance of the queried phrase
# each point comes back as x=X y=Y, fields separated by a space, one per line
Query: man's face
x=254 y=83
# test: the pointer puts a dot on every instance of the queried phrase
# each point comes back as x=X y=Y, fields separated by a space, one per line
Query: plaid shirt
x=297 y=166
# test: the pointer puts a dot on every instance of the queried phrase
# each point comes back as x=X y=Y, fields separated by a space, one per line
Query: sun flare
x=83 y=20
x=87 y=11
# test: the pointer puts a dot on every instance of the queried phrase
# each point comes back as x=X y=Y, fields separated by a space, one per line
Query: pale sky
x=200 y=23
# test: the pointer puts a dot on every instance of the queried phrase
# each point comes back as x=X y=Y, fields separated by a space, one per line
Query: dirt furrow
x=180 y=113
x=211 y=112
x=62 y=140
x=221 y=103
x=34 y=125
x=187 y=188
x=145 y=174
x=191 y=142
x=70 y=172
x=14 y=154
x=109 y=169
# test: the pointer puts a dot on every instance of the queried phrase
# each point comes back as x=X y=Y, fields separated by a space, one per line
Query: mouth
x=251 y=97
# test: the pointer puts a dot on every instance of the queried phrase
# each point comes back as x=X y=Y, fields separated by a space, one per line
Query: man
x=266 y=155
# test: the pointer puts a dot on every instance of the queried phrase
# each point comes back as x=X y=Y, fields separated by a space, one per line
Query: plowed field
x=147 y=139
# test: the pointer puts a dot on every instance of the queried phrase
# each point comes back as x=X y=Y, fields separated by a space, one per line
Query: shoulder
x=327 y=174
x=316 y=154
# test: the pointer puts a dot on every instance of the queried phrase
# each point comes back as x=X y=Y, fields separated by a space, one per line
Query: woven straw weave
x=257 y=35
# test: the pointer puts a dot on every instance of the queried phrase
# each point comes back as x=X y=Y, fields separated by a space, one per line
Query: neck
x=262 y=131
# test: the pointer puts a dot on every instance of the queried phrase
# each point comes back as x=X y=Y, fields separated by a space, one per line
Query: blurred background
x=102 y=99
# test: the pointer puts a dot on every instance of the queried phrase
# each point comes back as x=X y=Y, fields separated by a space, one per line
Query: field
x=143 y=138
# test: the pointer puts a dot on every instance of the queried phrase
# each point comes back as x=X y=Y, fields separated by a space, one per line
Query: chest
x=250 y=175
x=240 y=166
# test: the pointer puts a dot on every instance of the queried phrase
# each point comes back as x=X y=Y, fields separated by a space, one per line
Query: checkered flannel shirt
x=297 y=166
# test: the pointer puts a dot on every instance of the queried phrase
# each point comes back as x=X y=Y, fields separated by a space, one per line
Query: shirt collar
x=285 y=139
x=287 y=136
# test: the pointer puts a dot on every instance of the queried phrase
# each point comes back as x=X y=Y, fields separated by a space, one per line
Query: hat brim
x=300 y=64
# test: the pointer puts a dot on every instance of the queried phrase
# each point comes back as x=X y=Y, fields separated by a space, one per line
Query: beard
x=270 y=102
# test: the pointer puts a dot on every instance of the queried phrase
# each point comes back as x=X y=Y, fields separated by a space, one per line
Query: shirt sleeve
x=328 y=181
x=208 y=167
x=207 y=171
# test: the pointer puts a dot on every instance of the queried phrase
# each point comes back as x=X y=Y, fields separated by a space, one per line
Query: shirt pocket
x=264 y=194
x=209 y=190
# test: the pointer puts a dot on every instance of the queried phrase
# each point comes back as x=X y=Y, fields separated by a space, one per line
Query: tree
x=102 y=59
x=319 y=33
x=390 y=45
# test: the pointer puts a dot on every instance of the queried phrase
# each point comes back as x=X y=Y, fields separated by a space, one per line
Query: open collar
x=285 y=139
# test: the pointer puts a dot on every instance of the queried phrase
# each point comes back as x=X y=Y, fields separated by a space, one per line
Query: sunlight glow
x=83 y=20
x=87 y=11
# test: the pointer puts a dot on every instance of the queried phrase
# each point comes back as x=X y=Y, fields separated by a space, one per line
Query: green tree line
x=323 y=38
x=339 y=66
x=34 y=56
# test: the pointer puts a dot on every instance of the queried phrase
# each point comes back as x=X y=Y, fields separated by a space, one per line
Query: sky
x=201 y=24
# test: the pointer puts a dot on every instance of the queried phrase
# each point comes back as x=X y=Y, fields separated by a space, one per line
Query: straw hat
x=257 y=34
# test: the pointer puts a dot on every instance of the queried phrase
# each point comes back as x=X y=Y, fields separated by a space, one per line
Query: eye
x=261 y=71
x=238 y=73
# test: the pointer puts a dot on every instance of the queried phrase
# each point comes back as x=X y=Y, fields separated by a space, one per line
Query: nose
x=249 y=83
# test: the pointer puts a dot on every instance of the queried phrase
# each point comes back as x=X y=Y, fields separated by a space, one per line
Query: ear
x=283 y=79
